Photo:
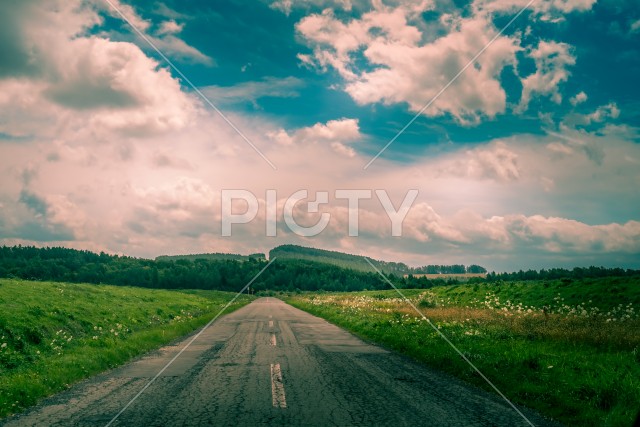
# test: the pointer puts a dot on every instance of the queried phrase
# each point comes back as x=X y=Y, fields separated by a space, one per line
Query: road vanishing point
x=270 y=364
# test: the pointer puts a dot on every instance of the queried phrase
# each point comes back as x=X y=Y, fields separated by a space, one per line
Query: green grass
x=578 y=363
x=605 y=293
x=55 y=334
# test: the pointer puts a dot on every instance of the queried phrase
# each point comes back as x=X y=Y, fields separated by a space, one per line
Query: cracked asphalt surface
x=225 y=378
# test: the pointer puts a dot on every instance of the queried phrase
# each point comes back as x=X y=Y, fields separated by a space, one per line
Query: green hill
x=340 y=259
x=359 y=263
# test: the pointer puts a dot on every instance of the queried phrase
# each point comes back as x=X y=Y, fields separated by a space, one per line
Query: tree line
x=71 y=265
x=562 y=273
x=287 y=274
x=448 y=269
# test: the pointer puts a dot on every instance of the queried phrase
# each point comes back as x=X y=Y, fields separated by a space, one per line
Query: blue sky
x=529 y=159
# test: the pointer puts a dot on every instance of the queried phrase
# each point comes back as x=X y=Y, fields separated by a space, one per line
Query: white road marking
x=271 y=323
x=277 y=387
x=273 y=340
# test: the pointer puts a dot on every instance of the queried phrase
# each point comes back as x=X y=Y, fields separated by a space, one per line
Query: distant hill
x=340 y=259
x=213 y=256
x=359 y=263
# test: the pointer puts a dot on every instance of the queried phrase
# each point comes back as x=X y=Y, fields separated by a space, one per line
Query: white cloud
x=282 y=5
x=177 y=48
x=577 y=141
x=62 y=152
x=24 y=110
x=340 y=130
x=424 y=224
x=561 y=234
x=497 y=162
x=408 y=70
x=281 y=137
x=101 y=73
x=129 y=13
x=609 y=111
x=185 y=195
x=335 y=133
x=552 y=61
x=287 y=87
x=164 y=37
x=579 y=98
x=78 y=80
x=61 y=210
x=560 y=148
x=169 y=27
x=286 y=6
x=602 y=114
x=167 y=160
x=503 y=233
x=409 y=62
x=521 y=232
x=552 y=10
x=547 y=184
x=343 y=149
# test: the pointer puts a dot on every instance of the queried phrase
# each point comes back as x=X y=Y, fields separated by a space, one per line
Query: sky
x=518 y=124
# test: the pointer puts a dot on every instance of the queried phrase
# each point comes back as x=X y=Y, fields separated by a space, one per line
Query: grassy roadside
x=55 y=334
x=578 y=363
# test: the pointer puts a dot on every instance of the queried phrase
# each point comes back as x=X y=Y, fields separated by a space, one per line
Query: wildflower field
x=55 y=334
x=567 y=348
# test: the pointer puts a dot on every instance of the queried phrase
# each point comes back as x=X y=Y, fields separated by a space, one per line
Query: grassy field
x=55 y=334
x=569 y=349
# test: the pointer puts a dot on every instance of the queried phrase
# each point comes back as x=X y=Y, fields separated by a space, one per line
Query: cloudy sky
x=530 y=158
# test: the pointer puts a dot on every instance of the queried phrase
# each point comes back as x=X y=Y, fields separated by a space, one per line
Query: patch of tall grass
x=579 y=364
x=55 y=334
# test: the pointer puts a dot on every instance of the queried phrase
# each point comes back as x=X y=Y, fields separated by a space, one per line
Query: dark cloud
x=136 y=227
x=32 y=224
x=162 y=160
x=28 y=174
x=85 y=93
x=41 y=232
x=17 y=55
x=34 y=202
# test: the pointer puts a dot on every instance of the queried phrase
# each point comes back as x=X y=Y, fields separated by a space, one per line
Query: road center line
x=273 y=340
x=277 y=387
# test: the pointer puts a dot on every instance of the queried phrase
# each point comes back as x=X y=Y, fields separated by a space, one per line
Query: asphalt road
x=271 y=364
